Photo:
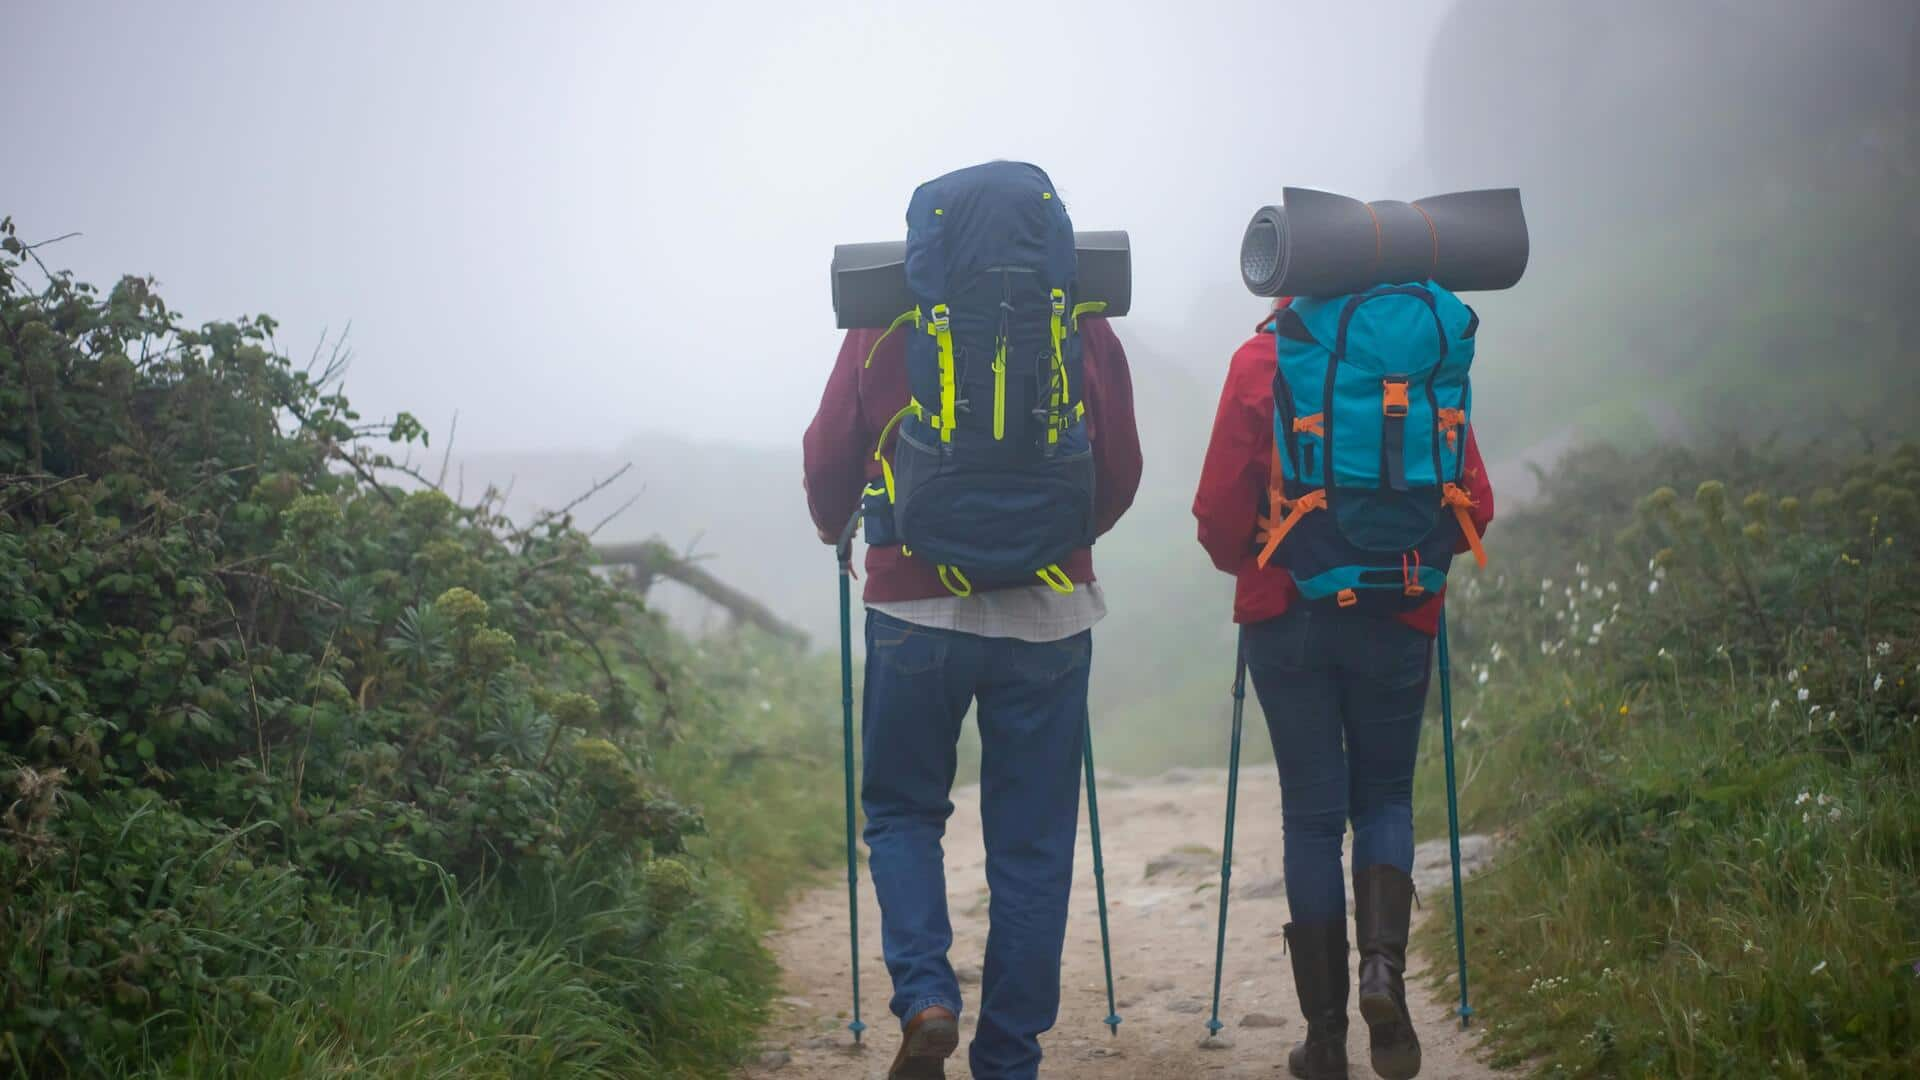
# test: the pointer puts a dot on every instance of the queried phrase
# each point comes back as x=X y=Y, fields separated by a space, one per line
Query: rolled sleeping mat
x=870 y=280
x=1320 y=244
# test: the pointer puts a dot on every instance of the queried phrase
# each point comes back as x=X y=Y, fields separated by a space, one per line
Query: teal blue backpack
x=1371 y=404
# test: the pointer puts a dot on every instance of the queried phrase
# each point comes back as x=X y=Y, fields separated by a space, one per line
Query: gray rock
x=1222 y=1041
x=1190 y=1006
x=1183 y=860
x=774 y=1059
x=1261 y=889
x=1262 y=1020
x=1433 y=863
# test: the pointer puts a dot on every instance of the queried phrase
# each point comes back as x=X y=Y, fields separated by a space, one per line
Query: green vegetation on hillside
x=302 y=773
x=1688 y=689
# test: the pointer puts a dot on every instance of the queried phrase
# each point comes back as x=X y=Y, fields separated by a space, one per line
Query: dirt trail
x=1161 y=840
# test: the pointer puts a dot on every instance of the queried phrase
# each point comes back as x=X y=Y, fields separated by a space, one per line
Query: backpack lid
x=1000 y=214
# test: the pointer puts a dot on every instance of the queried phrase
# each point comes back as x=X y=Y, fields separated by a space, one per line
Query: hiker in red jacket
x=1343 y=694
x=1022 y=654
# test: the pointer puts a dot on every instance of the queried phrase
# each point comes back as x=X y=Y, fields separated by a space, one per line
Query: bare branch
x=446 y=454
x=605 y=521
x=597 y=488
x=653 y=558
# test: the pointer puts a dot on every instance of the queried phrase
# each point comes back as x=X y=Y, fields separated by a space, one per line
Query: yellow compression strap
x=886 y=467
x=955 y=581
x=1060 y=394
x=1000 y=391
x=941 y=327
x=1091 y=307
x=905 y=316
x=1056 y=578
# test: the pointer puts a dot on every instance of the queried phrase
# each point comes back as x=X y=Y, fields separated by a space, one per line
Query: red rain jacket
x=1233 y=483
x=860 y=398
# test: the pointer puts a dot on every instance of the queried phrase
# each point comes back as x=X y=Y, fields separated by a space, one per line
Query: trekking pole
x=1100 y=879
x=1453 y=819
x=1226 y=852
x=843 y=554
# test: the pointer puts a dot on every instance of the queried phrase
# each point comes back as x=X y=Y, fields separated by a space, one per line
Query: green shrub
x=261 y=712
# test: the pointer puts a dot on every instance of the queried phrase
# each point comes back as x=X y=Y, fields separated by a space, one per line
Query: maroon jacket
x=860 y=398
x=1237 y=472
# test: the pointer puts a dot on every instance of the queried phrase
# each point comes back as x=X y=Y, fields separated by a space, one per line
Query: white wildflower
x=1652 y=587
x=1749 y=947
x=1546 y=584
x=1818 y=968
x=1482 y=677
x=1598 y=627
x=1801 y=799
x=1878 y=682
x=1834 y=814
x=1824 y=799
x=1804 y=694
x=1580 y=568
x=1663 y=653
x=1885 y=648
x=1612 y=586
x=1793 y=676
x=1660 y=573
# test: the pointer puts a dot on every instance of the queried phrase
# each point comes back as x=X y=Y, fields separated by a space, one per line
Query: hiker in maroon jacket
x=1022 y=655
x=1343 y=694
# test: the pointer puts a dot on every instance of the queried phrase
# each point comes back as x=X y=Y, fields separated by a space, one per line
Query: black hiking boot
x=1319 y=954
x=1383 y=905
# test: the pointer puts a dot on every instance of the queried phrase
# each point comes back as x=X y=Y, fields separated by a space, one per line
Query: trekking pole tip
x=1214 y=1025
x=1113 y=1023
x=856 y=1027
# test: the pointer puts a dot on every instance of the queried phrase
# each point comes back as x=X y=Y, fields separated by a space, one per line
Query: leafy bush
x=261 y=712
x=1690 y=690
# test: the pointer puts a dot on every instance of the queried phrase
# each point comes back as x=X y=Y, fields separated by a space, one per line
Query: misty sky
x=576 y=222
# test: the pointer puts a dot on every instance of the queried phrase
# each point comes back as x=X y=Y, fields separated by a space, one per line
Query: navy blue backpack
x=991 y=477
x=1371 y=403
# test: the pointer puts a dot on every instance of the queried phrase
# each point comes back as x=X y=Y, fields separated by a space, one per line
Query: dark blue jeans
x=1032 y=714
x=1343 y=694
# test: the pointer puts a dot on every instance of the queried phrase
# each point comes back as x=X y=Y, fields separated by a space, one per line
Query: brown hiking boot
x=929 y=1040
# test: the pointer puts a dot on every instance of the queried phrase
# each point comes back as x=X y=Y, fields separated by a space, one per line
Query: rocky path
x=1161 y=840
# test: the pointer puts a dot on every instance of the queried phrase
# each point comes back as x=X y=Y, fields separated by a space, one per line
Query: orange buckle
x=1310 y=425
x=1451 y=421
x=1348 y=597
x=1393 y=397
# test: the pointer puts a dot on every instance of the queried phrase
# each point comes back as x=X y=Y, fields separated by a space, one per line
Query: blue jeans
x=1032 y=715
x=1343 y=694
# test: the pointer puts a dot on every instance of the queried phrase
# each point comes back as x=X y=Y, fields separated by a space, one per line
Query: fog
x=600 y=232
x=575 y=223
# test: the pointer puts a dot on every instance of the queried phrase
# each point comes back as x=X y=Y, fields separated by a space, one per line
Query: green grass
x=1712 y=818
